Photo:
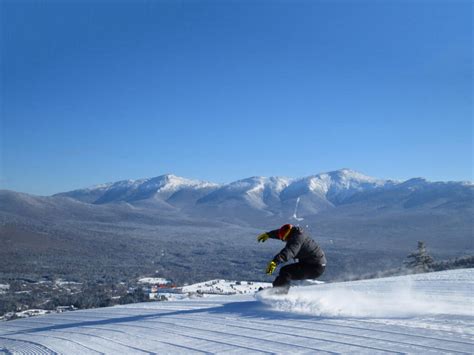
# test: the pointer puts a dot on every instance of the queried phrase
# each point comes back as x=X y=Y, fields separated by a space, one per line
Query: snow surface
x=154 y=280
x=4 y=288
x=419 y=314
x=225 y=287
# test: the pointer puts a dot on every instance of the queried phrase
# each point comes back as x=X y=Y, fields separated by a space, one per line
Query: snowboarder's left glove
x=271 y=267
x=263 y=237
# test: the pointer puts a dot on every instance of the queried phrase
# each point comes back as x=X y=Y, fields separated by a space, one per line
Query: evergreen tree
x=420 y=260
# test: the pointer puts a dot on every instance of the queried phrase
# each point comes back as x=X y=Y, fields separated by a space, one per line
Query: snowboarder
x=311 y=259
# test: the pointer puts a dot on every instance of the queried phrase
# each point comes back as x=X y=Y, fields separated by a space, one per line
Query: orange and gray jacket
x=299 y=246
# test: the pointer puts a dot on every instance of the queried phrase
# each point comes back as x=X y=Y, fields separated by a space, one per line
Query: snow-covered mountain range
x=418 y=314
x=157 y=188
x=271 y=196
x=258 y=191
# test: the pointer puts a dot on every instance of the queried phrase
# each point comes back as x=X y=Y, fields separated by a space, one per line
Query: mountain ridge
x=247 y=200
x=262 y=196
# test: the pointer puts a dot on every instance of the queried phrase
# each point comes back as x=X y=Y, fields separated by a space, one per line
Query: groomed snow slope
x=428 y=313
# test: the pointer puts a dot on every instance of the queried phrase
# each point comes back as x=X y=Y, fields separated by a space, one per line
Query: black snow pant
x=298 y=271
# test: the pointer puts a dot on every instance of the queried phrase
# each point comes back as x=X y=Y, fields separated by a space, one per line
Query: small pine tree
x=420 y=260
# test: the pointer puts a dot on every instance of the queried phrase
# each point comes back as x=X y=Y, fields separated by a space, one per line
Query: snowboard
x=276 y=291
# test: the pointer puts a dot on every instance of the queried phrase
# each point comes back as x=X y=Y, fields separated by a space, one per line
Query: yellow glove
x=271 y=267
x=263 y=237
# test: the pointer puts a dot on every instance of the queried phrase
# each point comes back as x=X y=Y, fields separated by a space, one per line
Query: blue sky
x=98 y=91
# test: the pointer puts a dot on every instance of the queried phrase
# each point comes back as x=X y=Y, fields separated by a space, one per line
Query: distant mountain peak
x=135 y=190
x=170 y=181
x=348 y=174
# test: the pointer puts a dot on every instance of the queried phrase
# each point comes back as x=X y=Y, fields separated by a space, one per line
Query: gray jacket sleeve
x=291 y=249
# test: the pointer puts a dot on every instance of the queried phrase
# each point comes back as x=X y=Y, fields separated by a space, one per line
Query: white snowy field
x=419 y=314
